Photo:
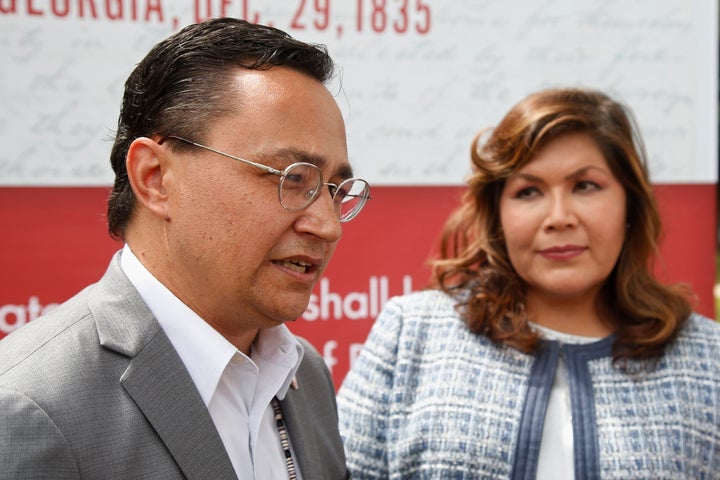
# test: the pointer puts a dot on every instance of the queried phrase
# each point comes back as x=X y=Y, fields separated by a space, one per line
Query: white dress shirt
x=236 y=389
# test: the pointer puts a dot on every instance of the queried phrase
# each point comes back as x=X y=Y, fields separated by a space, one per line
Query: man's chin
x=284 y=302
x=295 y=313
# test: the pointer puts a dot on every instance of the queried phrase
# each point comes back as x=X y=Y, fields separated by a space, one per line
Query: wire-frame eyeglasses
x=300 y=184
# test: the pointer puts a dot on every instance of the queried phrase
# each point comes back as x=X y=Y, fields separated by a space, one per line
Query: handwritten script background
x=412 y=101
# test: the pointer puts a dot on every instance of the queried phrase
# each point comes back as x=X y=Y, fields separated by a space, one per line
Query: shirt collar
x=203 y=350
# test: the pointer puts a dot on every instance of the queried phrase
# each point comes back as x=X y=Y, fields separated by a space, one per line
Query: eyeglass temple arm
x=249 y=162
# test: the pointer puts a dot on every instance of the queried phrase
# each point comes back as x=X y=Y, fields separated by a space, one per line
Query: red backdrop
x=54 y=242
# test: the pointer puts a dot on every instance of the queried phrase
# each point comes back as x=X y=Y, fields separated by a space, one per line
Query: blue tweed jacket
x=427 y=398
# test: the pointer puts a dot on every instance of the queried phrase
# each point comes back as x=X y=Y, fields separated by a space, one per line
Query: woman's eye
x=527 y=192
x=587 y=186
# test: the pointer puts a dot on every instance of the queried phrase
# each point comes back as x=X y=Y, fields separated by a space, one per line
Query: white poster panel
x=417 y=78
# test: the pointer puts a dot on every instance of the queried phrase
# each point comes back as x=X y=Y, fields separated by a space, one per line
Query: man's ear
x=147 y=166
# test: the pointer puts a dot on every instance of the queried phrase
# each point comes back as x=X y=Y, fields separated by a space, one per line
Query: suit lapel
x=302 y=434
x=156 y=378
x=158 y=383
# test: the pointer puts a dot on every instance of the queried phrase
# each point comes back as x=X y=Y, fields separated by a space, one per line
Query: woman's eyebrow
x=583 y=170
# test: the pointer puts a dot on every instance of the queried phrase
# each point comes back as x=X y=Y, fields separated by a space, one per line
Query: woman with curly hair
x=546 y=349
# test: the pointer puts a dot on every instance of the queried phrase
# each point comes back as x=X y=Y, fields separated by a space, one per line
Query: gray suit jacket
x=96 y=390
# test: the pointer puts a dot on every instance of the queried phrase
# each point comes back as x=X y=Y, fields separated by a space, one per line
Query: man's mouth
x=296 y=265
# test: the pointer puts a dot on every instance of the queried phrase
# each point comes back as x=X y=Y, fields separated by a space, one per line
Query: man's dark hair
x=183 y=83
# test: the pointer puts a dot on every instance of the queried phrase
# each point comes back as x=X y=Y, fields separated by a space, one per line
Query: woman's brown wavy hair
x=473 y=256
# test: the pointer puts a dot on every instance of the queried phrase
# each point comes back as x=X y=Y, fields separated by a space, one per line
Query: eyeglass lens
x=301 y=184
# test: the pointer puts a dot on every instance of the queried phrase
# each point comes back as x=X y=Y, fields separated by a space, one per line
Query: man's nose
x=321 y=218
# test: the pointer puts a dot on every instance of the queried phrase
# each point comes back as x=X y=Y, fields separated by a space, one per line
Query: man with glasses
x=232 y=182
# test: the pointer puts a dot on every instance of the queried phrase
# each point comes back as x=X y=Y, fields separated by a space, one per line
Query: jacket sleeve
x=31 y=445
x=365 y=398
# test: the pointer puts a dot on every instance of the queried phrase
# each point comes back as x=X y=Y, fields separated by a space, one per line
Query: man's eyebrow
x=281 y=158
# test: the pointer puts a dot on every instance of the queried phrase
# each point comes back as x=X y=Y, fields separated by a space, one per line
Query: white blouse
x=556 y=449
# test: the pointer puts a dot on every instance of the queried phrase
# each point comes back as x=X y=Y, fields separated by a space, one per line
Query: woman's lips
x=564 y=252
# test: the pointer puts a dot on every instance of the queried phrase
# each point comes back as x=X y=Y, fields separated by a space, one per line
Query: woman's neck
x=587 y=317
